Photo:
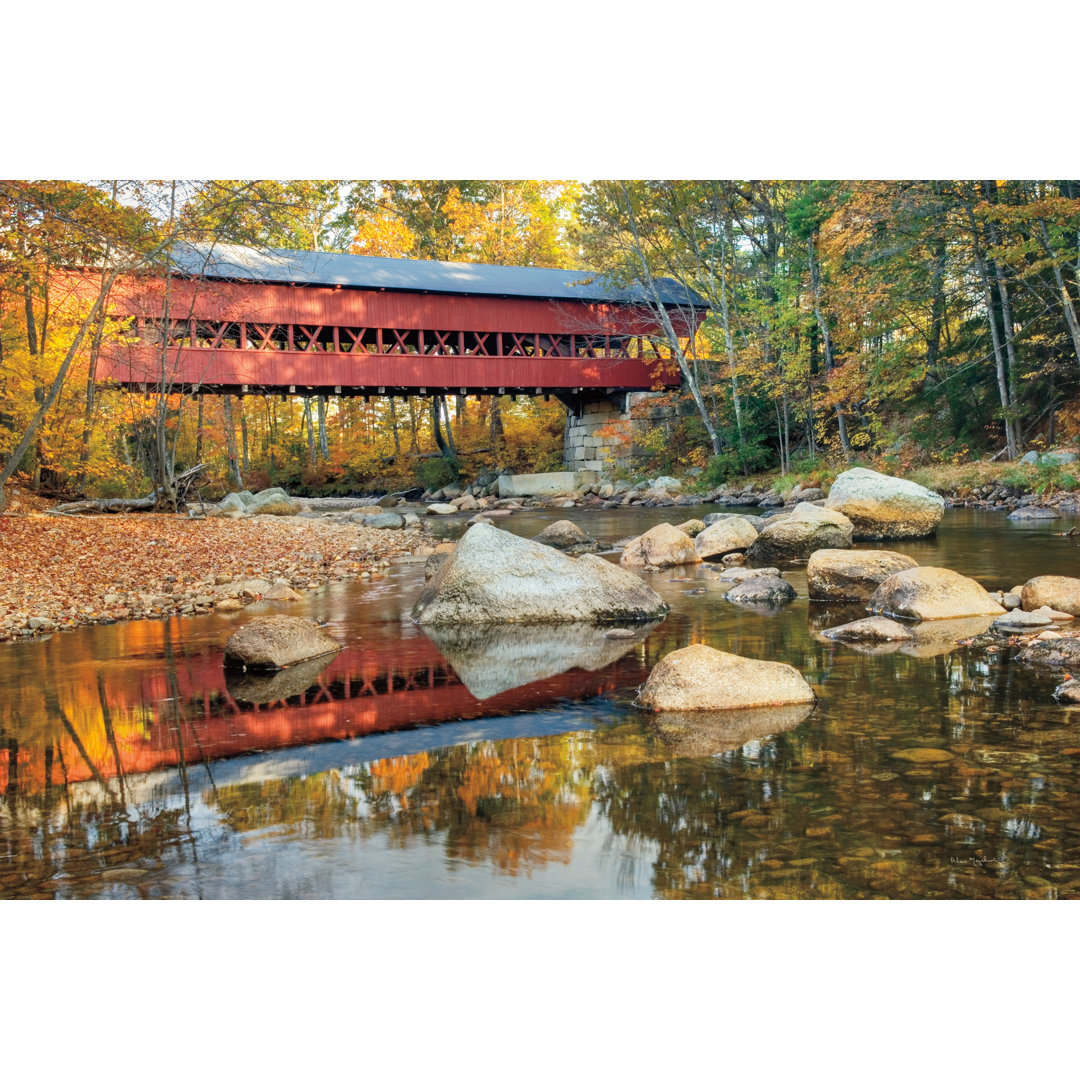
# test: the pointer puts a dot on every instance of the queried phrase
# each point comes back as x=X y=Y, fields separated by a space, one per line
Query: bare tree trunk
x=999 y=358
x=446 y=424
x=414 y=445
x=1066 y=300
x=244 y=456
x=826 y=340
x=436 y=428
x=324 y=446
x=394 y=428
x=495 y=424
x=230 y=442
x=199 y=431
x=310 y=431
x=649 y=282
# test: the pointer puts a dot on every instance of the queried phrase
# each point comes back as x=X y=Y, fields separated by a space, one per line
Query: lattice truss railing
x=385 y=341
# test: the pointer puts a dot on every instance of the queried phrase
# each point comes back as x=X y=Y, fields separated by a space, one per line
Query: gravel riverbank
x=58 y=573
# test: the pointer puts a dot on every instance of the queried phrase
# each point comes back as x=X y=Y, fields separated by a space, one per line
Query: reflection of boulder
x=262 y=688
x=935 y=638
x=496 y=577
x=492 y=659
x=702 y=734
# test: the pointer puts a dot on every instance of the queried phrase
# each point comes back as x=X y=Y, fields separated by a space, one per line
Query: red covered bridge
x=240 y=320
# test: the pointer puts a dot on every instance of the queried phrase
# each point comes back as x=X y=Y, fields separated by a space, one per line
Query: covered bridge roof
x=281 y=266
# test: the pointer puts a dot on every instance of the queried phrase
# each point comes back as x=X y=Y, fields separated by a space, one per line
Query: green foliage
x=435 y=473
x=753 y=456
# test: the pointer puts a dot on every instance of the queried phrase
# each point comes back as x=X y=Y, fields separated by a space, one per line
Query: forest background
x=901 y=324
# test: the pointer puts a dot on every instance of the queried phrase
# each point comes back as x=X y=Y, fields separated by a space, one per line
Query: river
x=512 y=764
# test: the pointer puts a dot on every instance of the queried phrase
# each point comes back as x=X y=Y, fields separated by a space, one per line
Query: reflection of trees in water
x=782 y=816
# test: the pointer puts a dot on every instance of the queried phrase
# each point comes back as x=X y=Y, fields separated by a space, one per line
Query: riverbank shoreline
x=61 y=573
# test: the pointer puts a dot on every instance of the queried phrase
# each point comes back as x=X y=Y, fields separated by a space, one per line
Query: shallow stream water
x=512 y=764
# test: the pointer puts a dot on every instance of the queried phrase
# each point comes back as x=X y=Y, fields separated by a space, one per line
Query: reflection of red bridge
x=363 y=691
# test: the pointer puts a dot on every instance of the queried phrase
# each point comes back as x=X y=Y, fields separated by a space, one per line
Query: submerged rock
x=1021 y=620
x=661 y=547
x=766 y=589
x=496 y=577
x=1052 y=590
x=1058 y=652
x=490 y=660
x=567 y=537
x=932 y=592
x=875 y=629
x=882 y=507
x=699 y=677
x=852 y=575
x=1033 y=513
x=278 y=641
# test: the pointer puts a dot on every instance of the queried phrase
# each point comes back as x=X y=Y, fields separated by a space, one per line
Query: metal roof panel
x=278 y=265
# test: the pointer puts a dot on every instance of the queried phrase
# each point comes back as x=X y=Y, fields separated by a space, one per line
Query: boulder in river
x=700 y=677
x=1052 y=590
x=765 y=589
x=662 y=546
x=852 y=575
x=932 y=592
x=496 y=577
x=567 y=537
x=799 y=534
x=885 y=507
x=732 y=533
x=277 y=641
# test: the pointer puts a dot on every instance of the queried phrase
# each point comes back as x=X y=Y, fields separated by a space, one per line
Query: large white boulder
x=932 y=592
x=884 y=507
x=700 y=677
x=495 y=577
